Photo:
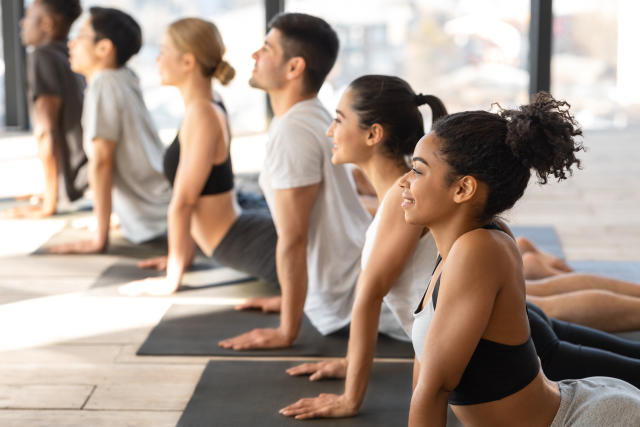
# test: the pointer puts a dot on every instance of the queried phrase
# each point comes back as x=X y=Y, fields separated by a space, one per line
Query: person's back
x=115 y=110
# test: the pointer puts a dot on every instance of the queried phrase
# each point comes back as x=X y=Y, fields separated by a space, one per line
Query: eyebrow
x=340 y=113
x=420 y=159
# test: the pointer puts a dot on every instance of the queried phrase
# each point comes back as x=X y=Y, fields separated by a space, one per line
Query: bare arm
x=199 y=139
x=46 y=110
x=471 y=306
x=100 y=180
x=395 y=242
x=292 y=215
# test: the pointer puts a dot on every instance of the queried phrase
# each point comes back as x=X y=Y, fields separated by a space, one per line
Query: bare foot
x=538 y=264
x=27 y=212
x=153 y=286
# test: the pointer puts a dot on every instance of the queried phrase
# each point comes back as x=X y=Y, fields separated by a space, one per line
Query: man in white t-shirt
x=320 y=221
x=125 y=153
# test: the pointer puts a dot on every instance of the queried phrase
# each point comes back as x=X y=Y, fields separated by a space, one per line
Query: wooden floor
x=67 y=352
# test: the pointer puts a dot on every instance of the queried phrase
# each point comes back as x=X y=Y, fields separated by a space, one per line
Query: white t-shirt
x=298 y=153
x=412 y=282
x=114 y=110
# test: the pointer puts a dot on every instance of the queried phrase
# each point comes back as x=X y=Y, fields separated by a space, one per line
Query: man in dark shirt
x=55 y=95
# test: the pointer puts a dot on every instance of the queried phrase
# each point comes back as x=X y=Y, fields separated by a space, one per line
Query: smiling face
x=170 y=63
x=269 y=70
x=349 y=138
x=428 y=195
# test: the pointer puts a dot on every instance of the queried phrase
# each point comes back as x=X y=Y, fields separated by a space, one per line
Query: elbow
x=293 y=242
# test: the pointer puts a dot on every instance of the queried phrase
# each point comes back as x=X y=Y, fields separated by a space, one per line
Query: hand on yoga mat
x=80 y=247
x=324 y=406
x=266 y=304
x=157 y=263
x=320 y=370
x=258 y=338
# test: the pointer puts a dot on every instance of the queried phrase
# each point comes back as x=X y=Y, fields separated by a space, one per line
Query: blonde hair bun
x=224 y=72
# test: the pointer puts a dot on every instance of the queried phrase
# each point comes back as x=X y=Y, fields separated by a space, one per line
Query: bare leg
x=594 y=308
x=538 y=264
x=571 y=282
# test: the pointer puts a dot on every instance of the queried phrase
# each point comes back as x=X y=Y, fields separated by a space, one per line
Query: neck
x=446 y=232
x=283 y=99
x=99 y=67
x=195 y=88
x=383 y=173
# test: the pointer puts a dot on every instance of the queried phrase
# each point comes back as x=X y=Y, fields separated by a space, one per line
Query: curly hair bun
x=542 y=136
x=224 y=72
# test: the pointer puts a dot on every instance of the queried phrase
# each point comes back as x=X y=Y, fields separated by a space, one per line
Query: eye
x=416 y=171
x=337 y=120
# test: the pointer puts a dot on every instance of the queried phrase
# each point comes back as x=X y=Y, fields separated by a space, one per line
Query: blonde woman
x=203 y=208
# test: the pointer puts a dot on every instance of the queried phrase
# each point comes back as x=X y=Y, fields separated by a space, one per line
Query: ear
x=465 y=189
x=375 y=135
x=46 y=24
x=189 y=61
x=104 y=48
x=295 y=67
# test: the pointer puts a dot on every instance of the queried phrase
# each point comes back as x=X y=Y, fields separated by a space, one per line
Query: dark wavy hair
x=123 y=31
x=391 y=102
x=66 y=11
x=311 y=38
x=501 y=149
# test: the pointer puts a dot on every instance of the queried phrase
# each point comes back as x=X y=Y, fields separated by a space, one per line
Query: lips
x=407 y=200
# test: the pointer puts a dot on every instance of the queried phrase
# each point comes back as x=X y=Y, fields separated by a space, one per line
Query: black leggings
x=570 y=351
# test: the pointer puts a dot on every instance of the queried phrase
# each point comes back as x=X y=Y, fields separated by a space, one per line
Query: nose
x=404 y=181
x=329 y=132
x=254 y=55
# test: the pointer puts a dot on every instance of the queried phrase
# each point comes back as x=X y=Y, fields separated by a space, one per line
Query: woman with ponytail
x=203 y=207
x=376 y=127
x=471 y=332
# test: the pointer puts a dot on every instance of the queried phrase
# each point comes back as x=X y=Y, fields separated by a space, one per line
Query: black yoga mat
x=196 y=330
x=243 y=393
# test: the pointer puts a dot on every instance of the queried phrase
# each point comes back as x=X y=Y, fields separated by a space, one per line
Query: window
x=468 y=53
x=595 y=64
x=241 y=23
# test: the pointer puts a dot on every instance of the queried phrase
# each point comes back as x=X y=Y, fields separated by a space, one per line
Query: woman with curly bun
x=198 y=165
x=471 y=332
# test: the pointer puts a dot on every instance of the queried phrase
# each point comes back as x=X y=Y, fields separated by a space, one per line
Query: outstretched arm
x=100 y=179
x=199 y=138
x=471 y=306
x=395 y=243
x=292 y=217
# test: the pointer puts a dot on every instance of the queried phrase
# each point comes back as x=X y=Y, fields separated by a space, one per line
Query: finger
x=318 y=375
x=305 y=368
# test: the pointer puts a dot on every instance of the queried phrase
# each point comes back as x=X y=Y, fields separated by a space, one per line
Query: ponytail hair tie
x=420 y=99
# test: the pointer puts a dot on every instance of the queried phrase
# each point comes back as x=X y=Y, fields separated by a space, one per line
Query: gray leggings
x=250 y=246
x=598 y=401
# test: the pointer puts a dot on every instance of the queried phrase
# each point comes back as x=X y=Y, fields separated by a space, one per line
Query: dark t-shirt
x=49 y=73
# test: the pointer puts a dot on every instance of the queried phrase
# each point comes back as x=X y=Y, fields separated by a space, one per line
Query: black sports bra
x=220 y=178
x=495 y=370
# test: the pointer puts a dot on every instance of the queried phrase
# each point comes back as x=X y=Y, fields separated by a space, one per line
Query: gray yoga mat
x=243 y=393
x=544 y=237
x=196 y=330
x=251 y=393
x=125 y=271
